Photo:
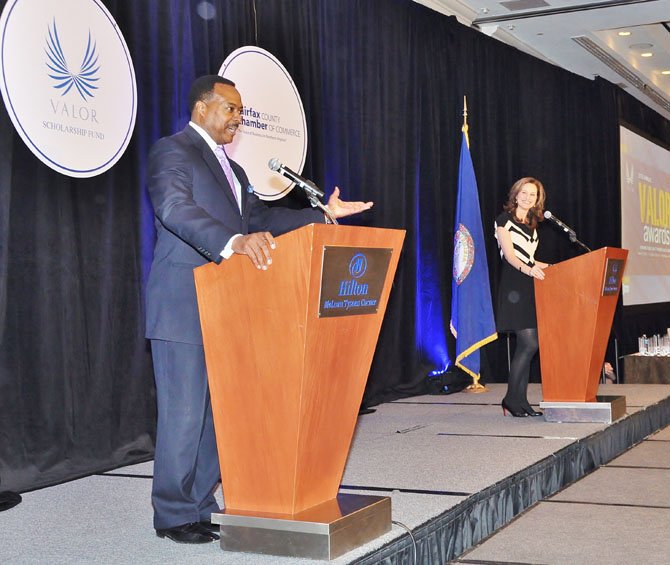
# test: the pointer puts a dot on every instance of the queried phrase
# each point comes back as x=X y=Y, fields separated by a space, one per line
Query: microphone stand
x=316 y=203
x=311 y=190
x=567 y=229
x=573 y=238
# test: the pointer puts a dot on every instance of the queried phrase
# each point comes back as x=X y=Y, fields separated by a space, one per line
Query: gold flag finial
x=464 y=129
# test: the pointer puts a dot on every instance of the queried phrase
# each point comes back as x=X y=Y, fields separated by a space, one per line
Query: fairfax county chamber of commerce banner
x=273 y=124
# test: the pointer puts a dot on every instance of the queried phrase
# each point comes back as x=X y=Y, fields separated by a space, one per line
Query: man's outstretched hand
x=339 y=208
x=258 y=246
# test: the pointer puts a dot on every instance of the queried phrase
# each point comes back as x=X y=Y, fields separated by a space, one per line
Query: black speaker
x=449 y=382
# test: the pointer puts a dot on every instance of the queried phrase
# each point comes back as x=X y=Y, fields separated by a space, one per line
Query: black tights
x=526 y=348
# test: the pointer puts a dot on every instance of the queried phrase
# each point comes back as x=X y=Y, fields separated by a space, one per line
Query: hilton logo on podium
x=613 y=274
x=357 y=267
x=352 y=280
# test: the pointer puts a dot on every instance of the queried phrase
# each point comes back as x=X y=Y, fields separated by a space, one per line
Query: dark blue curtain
x=383 y=84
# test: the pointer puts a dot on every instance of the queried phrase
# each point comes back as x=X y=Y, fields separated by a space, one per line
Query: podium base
x=325 y=531
x=606 y=409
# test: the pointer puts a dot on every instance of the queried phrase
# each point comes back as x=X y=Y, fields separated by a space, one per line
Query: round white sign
x=273 y=123
x=68 y=83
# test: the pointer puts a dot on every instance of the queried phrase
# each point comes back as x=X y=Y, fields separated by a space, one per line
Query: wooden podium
x=575 y=308
x=288 y=353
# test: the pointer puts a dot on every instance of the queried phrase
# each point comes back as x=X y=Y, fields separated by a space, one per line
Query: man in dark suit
x=204 y=212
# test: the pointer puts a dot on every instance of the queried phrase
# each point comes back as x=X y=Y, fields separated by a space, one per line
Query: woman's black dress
x=516 y=291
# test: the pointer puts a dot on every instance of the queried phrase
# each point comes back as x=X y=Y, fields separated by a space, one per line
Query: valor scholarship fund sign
x=68 y=83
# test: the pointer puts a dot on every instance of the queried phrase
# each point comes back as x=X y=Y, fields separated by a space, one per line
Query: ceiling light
x=624 y=33
x=665 y=72
x=647 y=54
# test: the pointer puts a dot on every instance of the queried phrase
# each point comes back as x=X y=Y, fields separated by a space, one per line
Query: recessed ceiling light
x=647 y=54
x=665 y=72
x=624 y=33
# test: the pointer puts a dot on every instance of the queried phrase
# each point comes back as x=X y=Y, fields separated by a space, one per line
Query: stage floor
x=619 y=514
x=456 y=471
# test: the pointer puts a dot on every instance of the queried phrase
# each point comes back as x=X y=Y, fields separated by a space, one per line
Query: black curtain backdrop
x=382 y=82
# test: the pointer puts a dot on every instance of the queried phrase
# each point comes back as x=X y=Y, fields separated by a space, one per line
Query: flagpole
x=476 y=386
x=464 y=129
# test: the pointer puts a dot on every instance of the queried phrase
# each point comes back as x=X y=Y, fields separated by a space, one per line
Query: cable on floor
x=410 y=535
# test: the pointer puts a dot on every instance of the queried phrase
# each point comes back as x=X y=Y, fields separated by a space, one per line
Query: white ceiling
x=582 y=37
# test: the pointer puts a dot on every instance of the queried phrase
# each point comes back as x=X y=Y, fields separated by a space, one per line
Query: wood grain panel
x=574 y=322
x=345 y=345
x=286 y=385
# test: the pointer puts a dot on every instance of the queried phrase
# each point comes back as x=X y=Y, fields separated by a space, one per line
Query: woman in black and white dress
x=517 y=238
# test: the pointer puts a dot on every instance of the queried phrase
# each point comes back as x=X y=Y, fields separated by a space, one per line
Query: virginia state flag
x=472 y=320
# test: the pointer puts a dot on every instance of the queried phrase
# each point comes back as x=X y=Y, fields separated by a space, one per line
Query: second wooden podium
x=575 y=307
x=288 y=353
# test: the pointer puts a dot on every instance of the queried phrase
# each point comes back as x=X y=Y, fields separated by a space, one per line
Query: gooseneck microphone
x=307 y=185
x=314 y=193
x=566 y=228
x=549 y=216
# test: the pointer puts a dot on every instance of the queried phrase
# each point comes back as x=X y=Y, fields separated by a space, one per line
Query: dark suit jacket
x=196 y=215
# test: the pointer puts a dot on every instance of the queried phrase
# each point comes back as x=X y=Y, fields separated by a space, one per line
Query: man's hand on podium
x=257 y=247
x=339 y=208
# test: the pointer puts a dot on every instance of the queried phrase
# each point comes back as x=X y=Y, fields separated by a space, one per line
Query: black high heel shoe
x=517 y=413
x=531 y=411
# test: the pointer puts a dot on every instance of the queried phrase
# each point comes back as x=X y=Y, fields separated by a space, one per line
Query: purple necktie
x=227 y=169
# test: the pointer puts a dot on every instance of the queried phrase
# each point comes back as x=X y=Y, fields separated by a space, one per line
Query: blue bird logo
x=84 y=81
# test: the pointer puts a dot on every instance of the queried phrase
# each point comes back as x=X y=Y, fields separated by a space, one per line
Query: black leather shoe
x=187 y=533
x=209 y=527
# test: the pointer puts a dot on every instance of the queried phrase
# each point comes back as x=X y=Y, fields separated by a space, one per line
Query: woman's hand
x=536 y=272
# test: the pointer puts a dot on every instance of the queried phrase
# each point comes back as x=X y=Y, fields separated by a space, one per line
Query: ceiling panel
x=583 y=37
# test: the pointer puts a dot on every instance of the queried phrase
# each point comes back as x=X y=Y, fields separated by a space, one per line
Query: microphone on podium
x=572 y=234
x=307 y=185
x=549 y=216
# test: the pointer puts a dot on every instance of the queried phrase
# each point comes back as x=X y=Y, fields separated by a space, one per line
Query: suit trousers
x=186 y=465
